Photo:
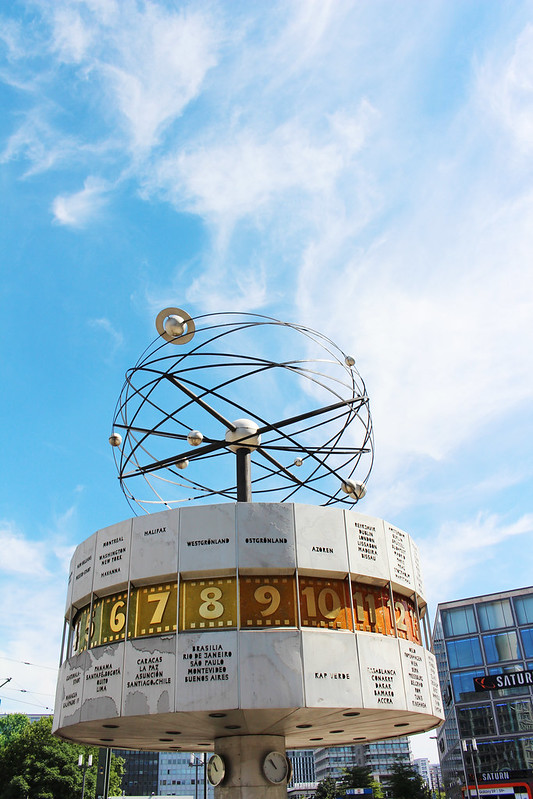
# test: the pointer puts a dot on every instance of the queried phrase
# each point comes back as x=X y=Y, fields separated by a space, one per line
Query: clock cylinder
x=190 y=626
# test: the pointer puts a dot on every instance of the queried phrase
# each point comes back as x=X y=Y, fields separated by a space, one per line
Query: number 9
x=265 y=594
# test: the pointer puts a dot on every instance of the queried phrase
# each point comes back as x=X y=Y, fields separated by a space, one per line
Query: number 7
x=161 y=598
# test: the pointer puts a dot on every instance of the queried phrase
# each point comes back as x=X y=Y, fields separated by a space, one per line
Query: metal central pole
x=244 y=475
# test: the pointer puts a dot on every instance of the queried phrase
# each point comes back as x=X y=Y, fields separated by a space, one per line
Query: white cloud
x=151 y=61
x=114 y=336
x=450 y=557
x=72 y=37
x=426 y=305
x=243 y=181
x=249 y=171
x=31 y=630
x=36 y=142
x=39 y=143
x=32 y=596
x=506 y=88
x=76 y=210
x=12 y=37
x=19 y=555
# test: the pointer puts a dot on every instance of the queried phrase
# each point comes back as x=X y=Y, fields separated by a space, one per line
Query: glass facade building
x=164 y=774
x=141 y=772
x=380 y=756
x=485 y=733
x=183 y=774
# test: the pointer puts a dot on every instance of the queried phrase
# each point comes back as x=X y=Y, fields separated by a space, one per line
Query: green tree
x=327 y=789
x=360 y=777
x=12 y=725
x=37 y=765
x=356 y=777
x=405 y=782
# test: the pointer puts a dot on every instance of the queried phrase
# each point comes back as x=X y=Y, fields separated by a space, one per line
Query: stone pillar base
x=244 y=757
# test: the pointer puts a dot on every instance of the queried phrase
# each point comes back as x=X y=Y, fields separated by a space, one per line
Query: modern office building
x=303 y=766
x=421 y=764
x=183 y=774
x=380 y=756
x=484 y=650
x=430 y=773
x=141 y=772
x=435 y=778
x=163 y=774
x=331 y=760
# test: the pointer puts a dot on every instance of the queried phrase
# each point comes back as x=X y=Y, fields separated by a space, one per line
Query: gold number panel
x=153 y=610
x=267 y=601
x=264 y=602
x=208 y=604
x=325 y=603
x=407 y=625
x=109 y=619
x=371 y=607
x=80 y=629
x=373 y=612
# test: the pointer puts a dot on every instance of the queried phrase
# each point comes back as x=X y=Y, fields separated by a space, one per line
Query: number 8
x=210 y=608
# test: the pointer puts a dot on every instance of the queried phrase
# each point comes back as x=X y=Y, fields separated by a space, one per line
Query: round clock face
x=216 y=769
x=275 y=767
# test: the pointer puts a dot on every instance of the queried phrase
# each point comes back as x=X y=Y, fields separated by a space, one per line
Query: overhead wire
x=26 y=663
x=22 y=702
x=10 y=698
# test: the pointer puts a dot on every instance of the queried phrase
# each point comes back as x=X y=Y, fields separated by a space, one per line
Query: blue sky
x=363 y=168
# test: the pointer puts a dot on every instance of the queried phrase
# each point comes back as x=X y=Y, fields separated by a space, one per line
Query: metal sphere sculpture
x=212 y=399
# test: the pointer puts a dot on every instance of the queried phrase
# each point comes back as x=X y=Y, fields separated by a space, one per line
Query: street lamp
x=470 y=745
x=197 y=760
x=435 y=738
x=84 y=766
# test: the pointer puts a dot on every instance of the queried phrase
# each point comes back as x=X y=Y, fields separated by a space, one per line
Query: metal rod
x=244 y=475
x=152 y=467
x=279 y=466
x=309 y=414
x=202 y=403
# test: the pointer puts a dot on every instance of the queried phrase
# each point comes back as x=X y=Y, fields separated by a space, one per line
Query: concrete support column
x=244 y=756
